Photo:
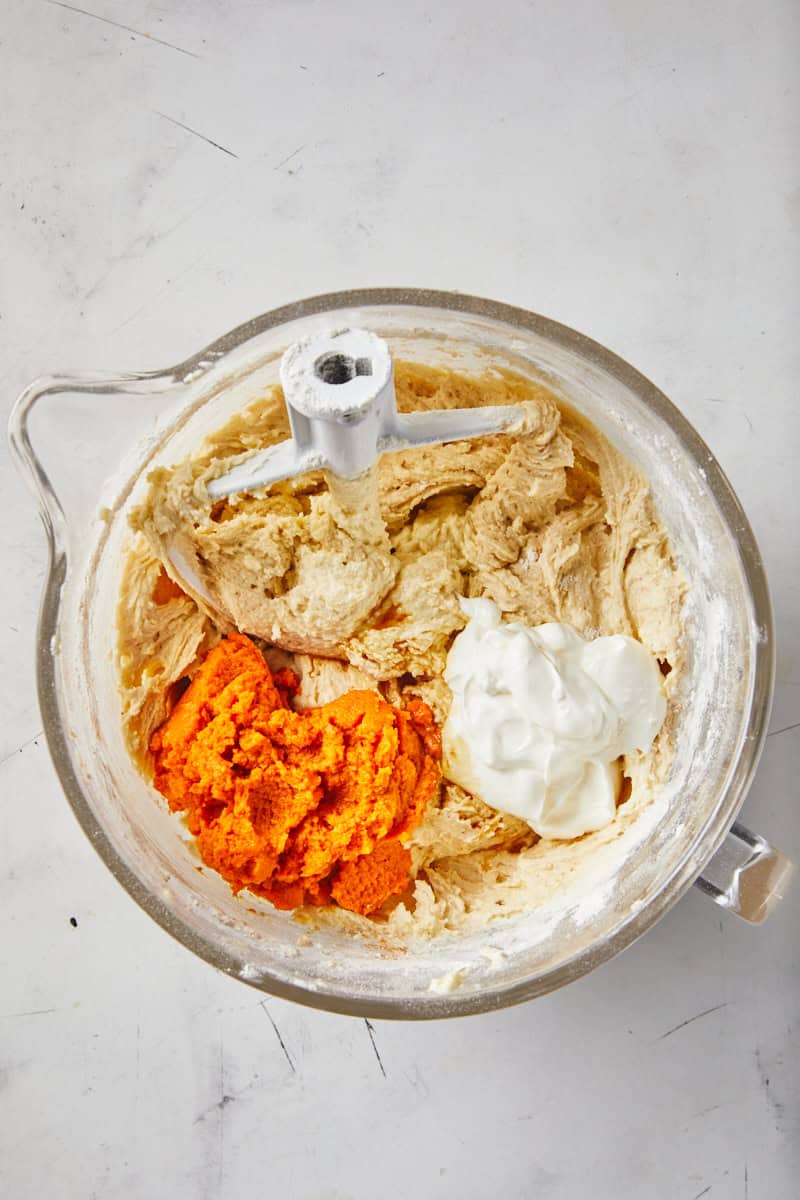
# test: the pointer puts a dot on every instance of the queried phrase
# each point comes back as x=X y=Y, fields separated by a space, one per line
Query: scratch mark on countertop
x=169 y=283
x=220 y=1108
x=704 y=1113
x=704 y=1192
x=217 y=1106
x=705 y=1013
x=140 y=245
x=196 y=133
x=746 y=1184
x=19 y=749
x=289 y=157
x=371 y=1032
x=278 y=1036
x=417 y=1081
x=118 y=25
x=785 y=729
x=9 y=1068
x=776 y=1107
x=33 y=1012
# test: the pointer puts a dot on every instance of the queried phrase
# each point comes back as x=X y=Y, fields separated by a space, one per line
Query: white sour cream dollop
x=539 y=716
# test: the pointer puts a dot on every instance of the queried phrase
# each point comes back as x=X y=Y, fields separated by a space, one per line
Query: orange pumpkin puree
x=299 y=807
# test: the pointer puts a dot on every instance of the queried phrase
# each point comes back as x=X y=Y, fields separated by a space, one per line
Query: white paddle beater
x=339 y=391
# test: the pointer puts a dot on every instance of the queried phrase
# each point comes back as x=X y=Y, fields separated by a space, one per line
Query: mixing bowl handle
x=747 y=875
x=68 y=433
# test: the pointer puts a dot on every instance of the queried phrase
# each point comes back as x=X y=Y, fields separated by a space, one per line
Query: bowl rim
x=455 y=1004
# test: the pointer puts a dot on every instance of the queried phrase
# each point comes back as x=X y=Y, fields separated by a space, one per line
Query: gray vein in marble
x=786 y=728
x=288 y=158
x=196 y=133
x=118 y=25
x=705 y=1013
x=19 y=749
x=278 y=1035
x=371 y=1032
x=34 y=1012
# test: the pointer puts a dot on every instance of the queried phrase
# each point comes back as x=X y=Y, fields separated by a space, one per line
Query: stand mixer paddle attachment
x=340 y=397
x=339 y=391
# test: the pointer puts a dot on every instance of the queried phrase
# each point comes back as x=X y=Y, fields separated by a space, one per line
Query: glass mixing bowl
x=85 y=444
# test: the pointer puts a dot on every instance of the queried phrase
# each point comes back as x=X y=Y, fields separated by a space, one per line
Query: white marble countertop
x=170 y=168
